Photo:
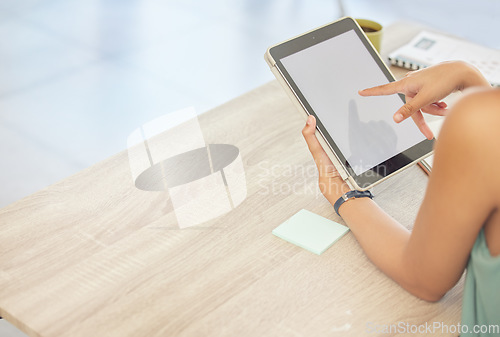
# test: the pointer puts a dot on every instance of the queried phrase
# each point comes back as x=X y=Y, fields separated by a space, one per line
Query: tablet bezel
x=307 y=40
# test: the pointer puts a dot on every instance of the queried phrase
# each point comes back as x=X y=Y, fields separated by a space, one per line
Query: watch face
x=359 y=194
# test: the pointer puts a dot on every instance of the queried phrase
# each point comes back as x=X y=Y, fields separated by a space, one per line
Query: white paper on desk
x=429 y=48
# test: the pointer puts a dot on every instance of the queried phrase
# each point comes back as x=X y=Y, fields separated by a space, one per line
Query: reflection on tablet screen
x=329 y=75
x=369 y=141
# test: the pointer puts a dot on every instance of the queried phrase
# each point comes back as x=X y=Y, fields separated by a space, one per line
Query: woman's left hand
x=331 y=184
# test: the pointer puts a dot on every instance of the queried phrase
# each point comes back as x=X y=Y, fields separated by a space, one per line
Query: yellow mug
x=373 y=31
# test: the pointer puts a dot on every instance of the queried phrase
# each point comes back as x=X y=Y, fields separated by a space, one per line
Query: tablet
x=322 y=71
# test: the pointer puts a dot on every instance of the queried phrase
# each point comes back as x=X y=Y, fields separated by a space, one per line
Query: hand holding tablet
x=323 y=70
x=331 y=184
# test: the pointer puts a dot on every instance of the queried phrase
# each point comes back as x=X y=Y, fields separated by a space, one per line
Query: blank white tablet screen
x=329 y=75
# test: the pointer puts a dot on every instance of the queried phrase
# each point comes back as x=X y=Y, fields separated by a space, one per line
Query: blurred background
x=77 y=76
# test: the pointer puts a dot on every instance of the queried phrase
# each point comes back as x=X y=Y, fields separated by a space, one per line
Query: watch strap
x=351 y=195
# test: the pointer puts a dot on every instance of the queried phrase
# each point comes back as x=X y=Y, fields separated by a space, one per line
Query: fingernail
x=398 y=117
x=309 y=120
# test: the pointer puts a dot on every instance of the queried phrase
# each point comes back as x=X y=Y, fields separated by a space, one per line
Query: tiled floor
x=77 y=76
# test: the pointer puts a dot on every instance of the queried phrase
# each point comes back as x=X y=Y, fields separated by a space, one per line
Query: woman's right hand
x=424 y=89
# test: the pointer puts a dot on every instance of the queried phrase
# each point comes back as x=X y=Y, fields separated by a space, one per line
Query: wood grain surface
x=94 y=256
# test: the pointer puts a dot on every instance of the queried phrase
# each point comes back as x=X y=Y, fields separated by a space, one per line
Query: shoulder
x=475 y=117
x=478 y=105
x=471 y=136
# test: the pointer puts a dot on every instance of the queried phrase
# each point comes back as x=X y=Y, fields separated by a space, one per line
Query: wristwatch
x=351 y=195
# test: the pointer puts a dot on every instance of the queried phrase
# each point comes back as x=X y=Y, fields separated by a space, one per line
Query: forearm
x=384 y=241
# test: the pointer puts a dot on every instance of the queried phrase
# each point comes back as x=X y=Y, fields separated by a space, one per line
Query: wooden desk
x=95 y=256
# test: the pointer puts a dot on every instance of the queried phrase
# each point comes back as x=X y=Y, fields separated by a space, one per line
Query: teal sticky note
x=310 y=231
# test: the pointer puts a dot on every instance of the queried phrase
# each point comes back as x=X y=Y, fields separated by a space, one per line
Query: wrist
x=354 y=207
x=334 y=190
x=470 y=76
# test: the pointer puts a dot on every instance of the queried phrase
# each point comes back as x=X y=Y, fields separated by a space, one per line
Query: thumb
x=323 y=162
x=411 y=106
